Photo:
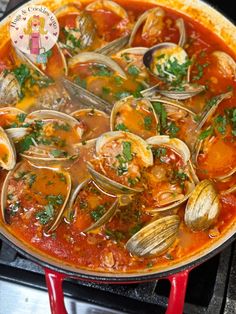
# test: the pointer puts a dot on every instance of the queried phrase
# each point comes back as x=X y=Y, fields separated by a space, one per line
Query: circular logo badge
x=34 y=29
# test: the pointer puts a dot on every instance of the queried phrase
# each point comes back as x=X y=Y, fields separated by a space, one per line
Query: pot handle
x=177 y=292
x=56 y=298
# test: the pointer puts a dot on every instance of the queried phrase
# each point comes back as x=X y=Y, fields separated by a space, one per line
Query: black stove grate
x=211 y=286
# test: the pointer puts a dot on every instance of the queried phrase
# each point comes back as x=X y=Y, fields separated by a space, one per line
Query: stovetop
x=211 y=287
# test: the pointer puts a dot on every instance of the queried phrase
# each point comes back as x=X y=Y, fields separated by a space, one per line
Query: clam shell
x=208 y=112
x=109 y=185
x=9 y=89
x=182 y=149
x=7 y=161
x=95 y=57
x=114 y=46
x=203 y=207
x=226 y=63
x=104 y=219
x=190 y=91
x=157 y=12
x=141 y=148
x=85 y=98
x=132 y=103
x=170 y=51
x=107 y=5
x=52 y=226
x=155 y=238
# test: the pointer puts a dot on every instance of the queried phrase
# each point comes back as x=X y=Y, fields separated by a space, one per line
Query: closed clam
x=9 y=89
x=203 y=207
x=155 y=238
x=120 y=158
x=225 y=63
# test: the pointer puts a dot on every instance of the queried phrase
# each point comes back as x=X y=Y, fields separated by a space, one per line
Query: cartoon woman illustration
x=35 y=28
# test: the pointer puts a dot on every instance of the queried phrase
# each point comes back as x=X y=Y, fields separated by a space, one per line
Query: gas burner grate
x=206 y=291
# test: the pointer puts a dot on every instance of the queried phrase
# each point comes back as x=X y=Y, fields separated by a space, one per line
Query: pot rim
x=105 y=277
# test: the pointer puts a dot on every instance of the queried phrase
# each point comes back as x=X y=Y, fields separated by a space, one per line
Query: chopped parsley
x=102 y=70
x=127 y=151
x=172 y=129
x=204 y=134
x=159 y=152
x=121 y=127
x=162 y=114
x=148 y=122
x=98 y=212
x=172 y=71
x=32 y=179
x=45 y=215
x=122 y=94
x=82 y=83
x=133 y=70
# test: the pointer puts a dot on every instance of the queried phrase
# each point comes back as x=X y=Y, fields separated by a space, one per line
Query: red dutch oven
x=177 y=274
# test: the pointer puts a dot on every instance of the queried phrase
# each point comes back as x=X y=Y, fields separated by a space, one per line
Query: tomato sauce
x=37 y=193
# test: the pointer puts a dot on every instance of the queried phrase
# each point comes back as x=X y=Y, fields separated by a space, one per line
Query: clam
x=86 y=98
x=55 y=97
x=120 y=159
x=11 y=117
x=108 y=5
x=69 y=8
x=155 y=238
x=46 y=144
x=210 y=108
x=9 y=89
x=7 y=151
x=203 y=207
x=168 y=192
x=189 y=90
x=86 y=118
x=160 y=59
x=134 y=115
x=114 y=46
x=226 y=64
x=52 y=213
x=98 y=58
x=182 y=31
x=99 y=214
x=153 y=24
x=56 y=65
x=131 y=59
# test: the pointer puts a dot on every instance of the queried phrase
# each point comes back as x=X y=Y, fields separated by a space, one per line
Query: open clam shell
x=159 y=60
x=85 y=98
x=182 y=150
x=155 y=238
x=203 y=207
x=86 y=119
x=190 y=90
x=226 y=64
x=134 y=115
x=210 y=108
x=69 y=8
x=152 y=19
x=114 y=46
x=7 y=204
x=108 y=5
x=39 y=153
x=102 y=217
x=120 y=144
x=98 y=58
x=7 y=151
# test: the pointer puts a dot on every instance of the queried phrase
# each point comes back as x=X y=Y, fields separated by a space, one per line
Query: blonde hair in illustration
x=40 y=20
